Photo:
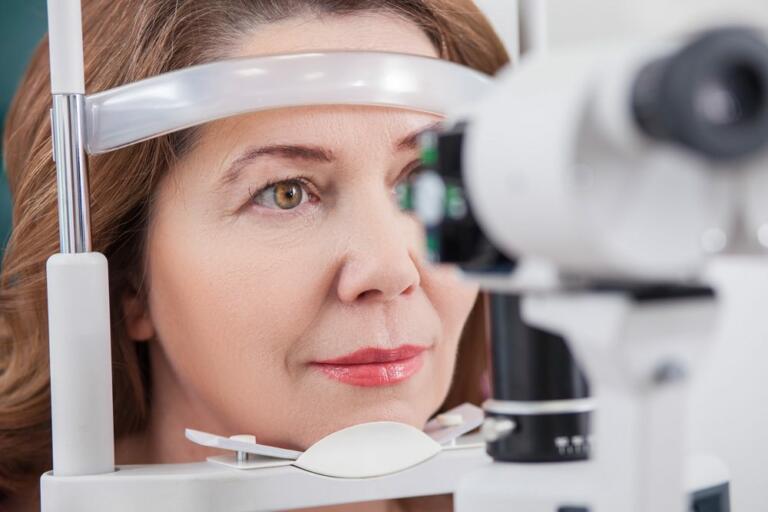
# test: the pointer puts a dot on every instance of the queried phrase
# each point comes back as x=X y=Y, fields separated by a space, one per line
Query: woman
x=263 y=279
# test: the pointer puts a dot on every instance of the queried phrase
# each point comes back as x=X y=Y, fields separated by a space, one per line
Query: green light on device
x=428 y=141
x=404 y=193
x=433 y=245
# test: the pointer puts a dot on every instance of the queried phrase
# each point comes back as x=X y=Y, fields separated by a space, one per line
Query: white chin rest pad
x=368 y=450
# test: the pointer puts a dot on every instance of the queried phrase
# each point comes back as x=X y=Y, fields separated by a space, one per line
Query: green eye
x=285 y=195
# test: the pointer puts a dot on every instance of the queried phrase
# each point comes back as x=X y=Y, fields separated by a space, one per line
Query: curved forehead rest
x=181 y=99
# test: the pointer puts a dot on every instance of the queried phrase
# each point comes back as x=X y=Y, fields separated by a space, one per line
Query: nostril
x=369 y=294
x=375 y=294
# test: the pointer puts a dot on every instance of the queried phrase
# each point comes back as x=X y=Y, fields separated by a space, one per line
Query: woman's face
x=288 y=295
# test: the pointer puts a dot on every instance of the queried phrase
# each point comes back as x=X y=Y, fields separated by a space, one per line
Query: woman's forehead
x=368 y=31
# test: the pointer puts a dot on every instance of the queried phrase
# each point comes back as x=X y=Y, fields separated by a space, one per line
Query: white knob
x=429 y=198
x=450 y=420
x=495 y=428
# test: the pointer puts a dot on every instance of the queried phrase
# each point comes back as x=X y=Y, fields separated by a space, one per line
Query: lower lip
x=374 y=374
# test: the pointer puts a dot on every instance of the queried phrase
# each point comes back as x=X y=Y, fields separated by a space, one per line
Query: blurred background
x=22 y=24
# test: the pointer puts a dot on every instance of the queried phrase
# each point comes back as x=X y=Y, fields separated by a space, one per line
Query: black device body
x=539 y=386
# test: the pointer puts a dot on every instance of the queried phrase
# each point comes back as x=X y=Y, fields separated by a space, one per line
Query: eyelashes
x=287 y=195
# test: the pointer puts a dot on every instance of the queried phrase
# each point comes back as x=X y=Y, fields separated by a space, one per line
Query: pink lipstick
x=370 y=367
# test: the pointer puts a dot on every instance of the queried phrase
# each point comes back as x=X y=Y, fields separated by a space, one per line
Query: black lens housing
x=462 y=241
x=710 y=97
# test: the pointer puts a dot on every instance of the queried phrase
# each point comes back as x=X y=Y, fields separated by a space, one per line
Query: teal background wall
x=22 y=24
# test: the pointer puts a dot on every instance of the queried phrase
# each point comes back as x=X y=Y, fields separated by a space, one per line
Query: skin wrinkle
x=242 y=299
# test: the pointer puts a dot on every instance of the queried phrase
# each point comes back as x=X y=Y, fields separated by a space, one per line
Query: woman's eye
x=285 y=195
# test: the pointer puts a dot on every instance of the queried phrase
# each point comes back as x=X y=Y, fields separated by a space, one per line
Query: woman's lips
x=369 y=367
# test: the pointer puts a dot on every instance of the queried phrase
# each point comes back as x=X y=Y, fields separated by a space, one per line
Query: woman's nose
x=380 y=261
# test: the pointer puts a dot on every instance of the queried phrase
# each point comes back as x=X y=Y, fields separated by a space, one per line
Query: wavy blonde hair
x=125 y=41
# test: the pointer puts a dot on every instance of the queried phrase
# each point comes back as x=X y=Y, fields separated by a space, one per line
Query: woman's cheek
x=452 y=295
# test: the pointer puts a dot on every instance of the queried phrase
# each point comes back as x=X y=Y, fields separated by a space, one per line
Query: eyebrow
x=306 y=153
x=287 y=151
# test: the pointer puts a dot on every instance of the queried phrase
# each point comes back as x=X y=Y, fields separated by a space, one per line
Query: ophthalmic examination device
x=585 y=190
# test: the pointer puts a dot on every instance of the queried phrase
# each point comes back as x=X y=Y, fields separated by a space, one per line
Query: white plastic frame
x=180 y=99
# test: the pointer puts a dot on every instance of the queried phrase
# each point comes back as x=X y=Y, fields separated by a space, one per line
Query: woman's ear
x=138 y=321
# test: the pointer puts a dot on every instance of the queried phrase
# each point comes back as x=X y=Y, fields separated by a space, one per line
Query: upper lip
x=375 y=355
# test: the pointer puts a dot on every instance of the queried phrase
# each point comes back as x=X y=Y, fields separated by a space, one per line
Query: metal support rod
x=68 y=131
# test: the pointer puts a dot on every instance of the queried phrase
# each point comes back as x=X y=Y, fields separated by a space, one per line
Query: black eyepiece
x=711 y=96
x=459 y=238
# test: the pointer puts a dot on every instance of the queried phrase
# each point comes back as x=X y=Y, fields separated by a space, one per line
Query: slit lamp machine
x=587 y=190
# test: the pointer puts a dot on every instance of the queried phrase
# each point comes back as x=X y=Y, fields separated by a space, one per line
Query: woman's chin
x=401 y=414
